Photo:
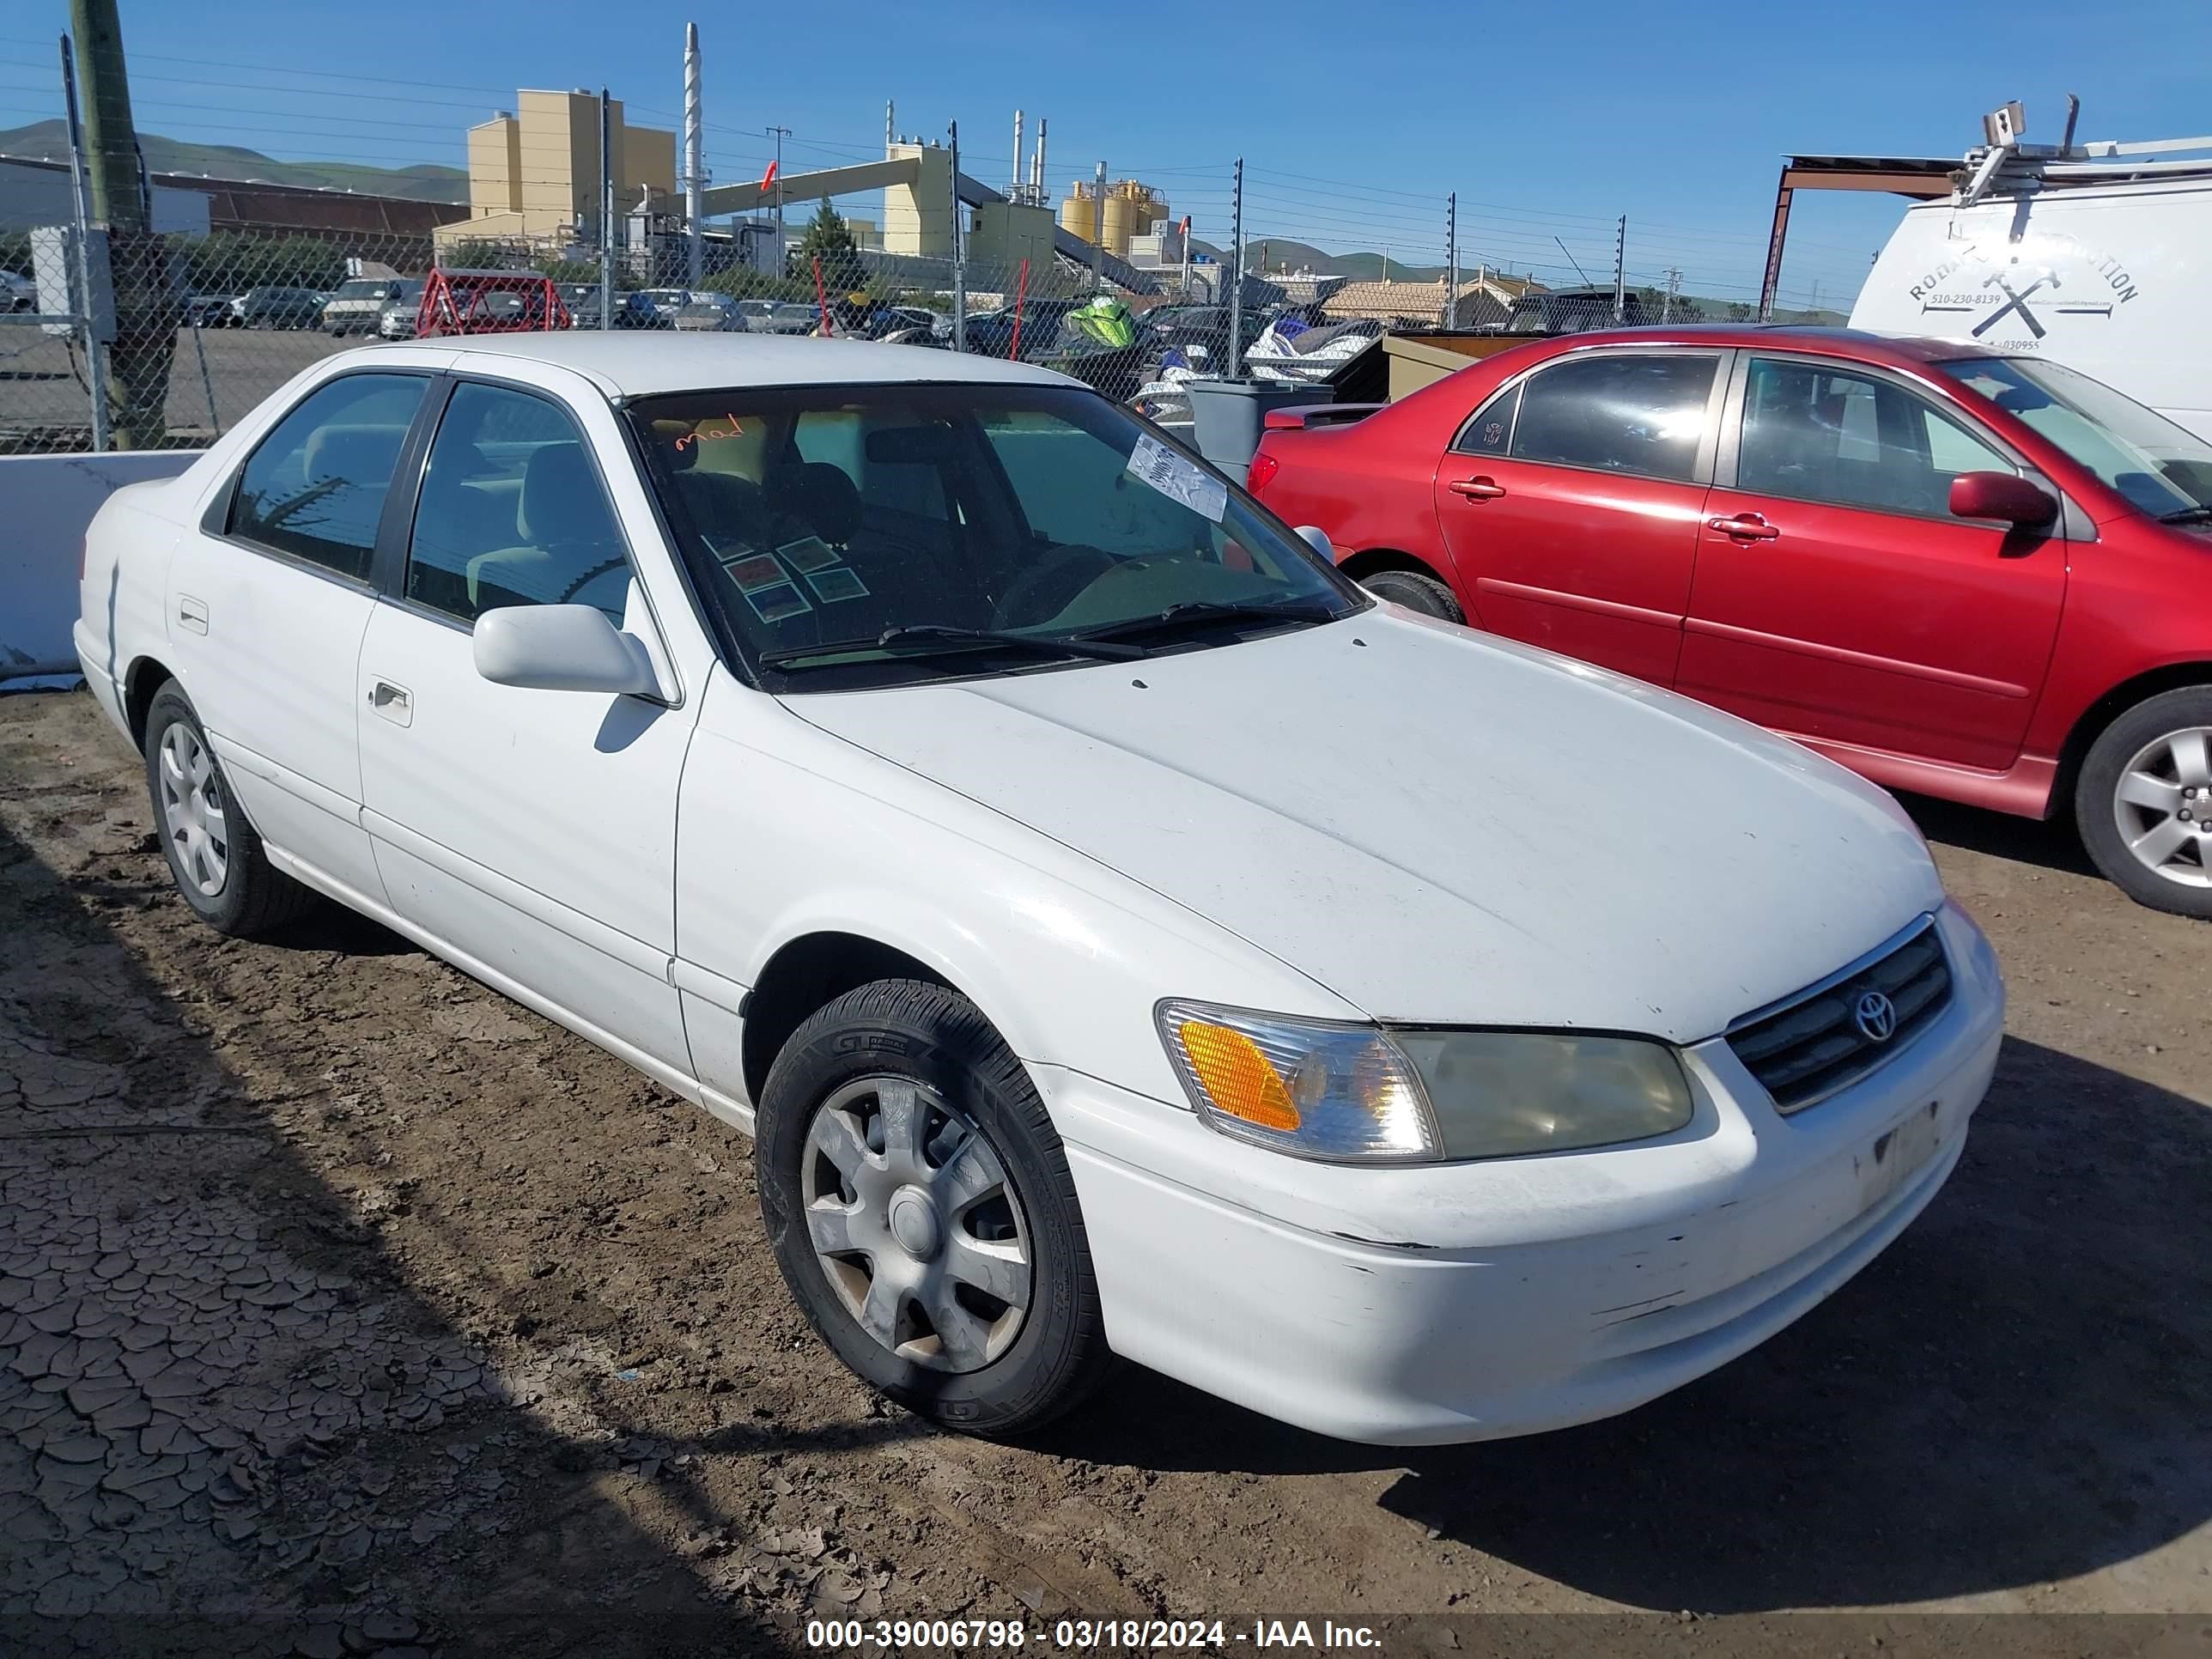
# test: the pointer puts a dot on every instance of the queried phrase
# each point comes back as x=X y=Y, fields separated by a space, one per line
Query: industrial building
x=534 y=172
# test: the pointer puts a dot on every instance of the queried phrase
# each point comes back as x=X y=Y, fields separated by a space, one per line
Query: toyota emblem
x=1876 y=1016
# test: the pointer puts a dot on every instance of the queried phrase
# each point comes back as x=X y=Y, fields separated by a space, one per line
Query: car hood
x=1434 y=825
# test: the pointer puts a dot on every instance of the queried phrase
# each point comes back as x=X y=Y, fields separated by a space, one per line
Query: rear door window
x=1618 y=412
x=315 y=488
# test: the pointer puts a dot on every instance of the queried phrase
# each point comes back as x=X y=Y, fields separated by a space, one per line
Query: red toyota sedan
x=1983 y=577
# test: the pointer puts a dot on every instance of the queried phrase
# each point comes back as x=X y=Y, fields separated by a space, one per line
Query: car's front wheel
x=2143 y=801
x=921 y=1210
x=214 y=855
x=1416 y=591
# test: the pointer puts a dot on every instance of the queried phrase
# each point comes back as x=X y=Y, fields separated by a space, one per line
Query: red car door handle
x=1748 y=525
x=1476 y=489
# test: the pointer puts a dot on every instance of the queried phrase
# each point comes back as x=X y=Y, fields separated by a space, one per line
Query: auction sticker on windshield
x=1179 y=478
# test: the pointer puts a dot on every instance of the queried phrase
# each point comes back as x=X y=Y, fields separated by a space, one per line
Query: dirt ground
x=346 y=1308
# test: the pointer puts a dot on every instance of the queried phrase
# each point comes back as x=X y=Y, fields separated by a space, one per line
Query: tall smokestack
x=1036 y=171
x=1015 y=194
x=890 y=131
x=694 y=164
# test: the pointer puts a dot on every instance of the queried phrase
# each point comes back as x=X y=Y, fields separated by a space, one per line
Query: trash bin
x=1226 y=416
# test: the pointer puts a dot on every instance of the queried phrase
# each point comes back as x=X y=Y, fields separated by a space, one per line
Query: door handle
x=191 y=613
x=392 y=701
x=1477 y=488
x=1749 y=525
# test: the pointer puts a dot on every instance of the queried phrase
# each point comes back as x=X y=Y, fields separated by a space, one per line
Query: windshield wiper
x=1206 y=613
x=2187 y=515
x=942 y=634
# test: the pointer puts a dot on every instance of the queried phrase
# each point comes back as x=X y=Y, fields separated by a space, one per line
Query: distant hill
x=49 y=141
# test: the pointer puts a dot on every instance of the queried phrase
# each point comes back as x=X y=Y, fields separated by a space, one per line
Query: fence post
x=607 y=213
x=1098 y=230
x=96 y=353
x=1621 y=270
x=1451 y=260
x=1236 y=273
x=959 y=252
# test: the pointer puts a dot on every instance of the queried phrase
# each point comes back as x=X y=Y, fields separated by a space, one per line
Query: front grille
x=1812 y=1046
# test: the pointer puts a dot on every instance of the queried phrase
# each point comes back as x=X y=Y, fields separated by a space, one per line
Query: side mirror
x=2004 y=496
x=562 y=648
x=1318 y=539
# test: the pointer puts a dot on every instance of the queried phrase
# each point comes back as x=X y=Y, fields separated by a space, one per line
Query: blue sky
x=1354 y=120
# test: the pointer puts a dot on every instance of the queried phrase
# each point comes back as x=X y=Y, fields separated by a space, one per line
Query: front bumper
x=1471 y=1302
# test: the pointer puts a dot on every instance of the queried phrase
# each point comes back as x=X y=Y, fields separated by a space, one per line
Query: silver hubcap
x=915 y=1223
x=2164 y=806
x=192 y=811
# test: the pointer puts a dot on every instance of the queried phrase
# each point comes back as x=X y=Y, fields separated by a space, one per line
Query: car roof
x=1828 y=342
x=636 y=365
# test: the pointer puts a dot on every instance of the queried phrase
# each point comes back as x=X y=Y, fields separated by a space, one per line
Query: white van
x=2078 y=252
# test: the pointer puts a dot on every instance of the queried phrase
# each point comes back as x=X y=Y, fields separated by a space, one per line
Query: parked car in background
x=707 y=313
x=1112 y=926
x=1190 y=330
x=17 y=292
x=277 y=307
x=632 y=309
x=357 y=306
x=666 y=299
x=991 y=333
x=211 y=311
x=1964 y=574
x=787 y=317
x=755 y=310
x=1574 y=311
x=397 y=320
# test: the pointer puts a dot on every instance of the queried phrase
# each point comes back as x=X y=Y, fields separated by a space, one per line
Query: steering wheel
x=1045 y=588
x=589 y=577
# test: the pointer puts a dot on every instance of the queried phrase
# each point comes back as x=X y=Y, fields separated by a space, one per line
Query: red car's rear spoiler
x=1304 y=418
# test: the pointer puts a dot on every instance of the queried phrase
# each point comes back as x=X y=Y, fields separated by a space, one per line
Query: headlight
x=1355 y=1093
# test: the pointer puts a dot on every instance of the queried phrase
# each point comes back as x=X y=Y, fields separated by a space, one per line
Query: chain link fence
x=186 y=333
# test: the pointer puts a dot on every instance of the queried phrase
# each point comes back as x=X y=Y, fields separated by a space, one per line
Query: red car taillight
x=1261 y=472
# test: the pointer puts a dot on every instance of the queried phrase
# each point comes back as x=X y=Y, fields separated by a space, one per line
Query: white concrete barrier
x=45 y=502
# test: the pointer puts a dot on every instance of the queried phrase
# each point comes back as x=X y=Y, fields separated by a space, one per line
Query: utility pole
x=1237 y=274
x=1621 y=270
x=1674 y=288
x=1451 y=260
x=695 y=168
x=606 y=211
x=959 y=252
x=79 y=276
x=782 y=256
x=1098 y=246
x=145 y=307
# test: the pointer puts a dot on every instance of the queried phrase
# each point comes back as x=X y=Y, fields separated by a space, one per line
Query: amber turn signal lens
x=1237 y=1078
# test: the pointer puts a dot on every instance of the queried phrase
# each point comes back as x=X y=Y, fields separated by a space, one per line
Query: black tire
x=2096 y=811
x=904 y=1029
x=255 y=898
x=1416 y=593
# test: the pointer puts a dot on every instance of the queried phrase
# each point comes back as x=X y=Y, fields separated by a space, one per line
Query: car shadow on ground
x=2012 y=1393
x=228 y=1422
x=2051 y=844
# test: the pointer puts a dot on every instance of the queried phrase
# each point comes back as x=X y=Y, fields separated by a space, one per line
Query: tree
x=830 y=239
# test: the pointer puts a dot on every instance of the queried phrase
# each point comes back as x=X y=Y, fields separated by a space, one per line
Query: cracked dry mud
x=346 y=1308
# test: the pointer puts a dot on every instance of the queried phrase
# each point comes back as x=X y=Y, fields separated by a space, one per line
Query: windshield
x=821 y=520
x=2161 y=468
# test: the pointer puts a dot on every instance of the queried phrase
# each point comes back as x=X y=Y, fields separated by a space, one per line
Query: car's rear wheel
x=1416 y=591
x=2143 y=801
x=921 y=1210
x=215 y=857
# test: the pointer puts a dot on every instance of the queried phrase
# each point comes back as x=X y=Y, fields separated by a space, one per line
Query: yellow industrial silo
x=1078 y=215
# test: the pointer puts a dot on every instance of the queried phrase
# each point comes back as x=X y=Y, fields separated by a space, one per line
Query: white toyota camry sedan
x=1120 y=935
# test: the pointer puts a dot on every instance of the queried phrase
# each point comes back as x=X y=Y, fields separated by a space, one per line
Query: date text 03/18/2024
x=1088 y=1635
